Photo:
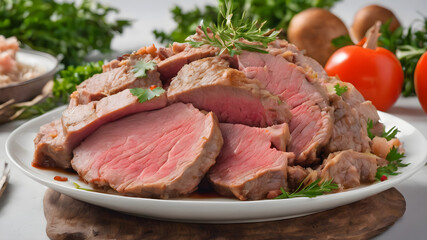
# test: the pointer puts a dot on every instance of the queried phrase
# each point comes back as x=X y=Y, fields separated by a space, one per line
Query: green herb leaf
x=342 y=41
x=141 y=67
x=78 y=187
x=370 y=125
x=395 y=161
x=228 y=33
x=146 y=94
x=390 y=134
x=312 y=190
x=340 y=90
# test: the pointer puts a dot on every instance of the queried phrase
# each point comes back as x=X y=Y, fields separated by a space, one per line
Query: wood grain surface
x=72 y=219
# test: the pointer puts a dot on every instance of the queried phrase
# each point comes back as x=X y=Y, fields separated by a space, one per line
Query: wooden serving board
x=68 y=218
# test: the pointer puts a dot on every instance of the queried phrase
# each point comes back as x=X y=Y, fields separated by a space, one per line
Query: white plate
x=20 y=148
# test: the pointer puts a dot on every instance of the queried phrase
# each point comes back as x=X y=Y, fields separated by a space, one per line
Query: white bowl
x=27 y=90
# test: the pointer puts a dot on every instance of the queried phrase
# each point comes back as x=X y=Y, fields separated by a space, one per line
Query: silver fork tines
x=4 y=178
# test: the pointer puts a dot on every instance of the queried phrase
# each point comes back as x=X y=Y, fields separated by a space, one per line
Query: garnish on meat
x=312 y=190
x=234 y=35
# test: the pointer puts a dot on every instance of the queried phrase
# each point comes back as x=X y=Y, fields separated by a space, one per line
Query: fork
x=4 y=177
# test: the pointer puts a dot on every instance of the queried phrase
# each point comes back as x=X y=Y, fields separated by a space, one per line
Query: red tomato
x=377 y=74
x=420 y=78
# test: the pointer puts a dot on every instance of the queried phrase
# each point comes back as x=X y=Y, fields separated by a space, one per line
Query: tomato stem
x=372 y=36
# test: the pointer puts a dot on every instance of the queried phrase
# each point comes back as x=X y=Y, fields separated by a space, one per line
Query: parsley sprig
x=390 y=134
x=312 y=190
x=228 y=33
x=370 y=125
x=340 y=90
x=141 y=67
x=395 y=162
x=146 y=94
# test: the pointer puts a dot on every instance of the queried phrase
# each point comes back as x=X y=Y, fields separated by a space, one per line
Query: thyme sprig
x=229 y=33
x=312 y=190
x=390 y=134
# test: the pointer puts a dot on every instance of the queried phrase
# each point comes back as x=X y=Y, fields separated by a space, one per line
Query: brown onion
x=313 y=31
x=367 y=16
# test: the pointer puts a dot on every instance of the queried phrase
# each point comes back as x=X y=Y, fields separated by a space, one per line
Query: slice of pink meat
x=311 y=124
x=161 y=154
x=55 y=141
x=249 y=166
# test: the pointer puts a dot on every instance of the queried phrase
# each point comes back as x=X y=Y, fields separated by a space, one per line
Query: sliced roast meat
x=50 y=150
x=173 y=49
x=311 y=124
x=170 y=66
x=351 y=111
x=111 y=82
x=314 y=71
x=55 y=141
x=351 y=114
x=209 y=84
x=349 y=168
x=162 y=154
x=249 y=167
x=296 y=175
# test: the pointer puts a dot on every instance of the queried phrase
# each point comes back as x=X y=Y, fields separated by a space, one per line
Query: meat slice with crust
x=349 y=168
x=161 y=154
x=55 y=141
x=209 y=84
x=180 y=55
x=351 y=115
x=311 y=124
x=111 y=82
x=249 y=166
x=350 y=110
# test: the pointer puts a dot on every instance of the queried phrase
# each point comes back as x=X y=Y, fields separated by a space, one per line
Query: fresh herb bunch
x=408 y=46
x=63 y=29
x=66 y=80
x=395 y=162
x=229 y=31
x=64 y=84
x=276 y=13
x=312 y=190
